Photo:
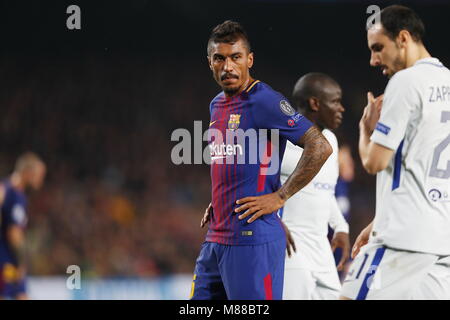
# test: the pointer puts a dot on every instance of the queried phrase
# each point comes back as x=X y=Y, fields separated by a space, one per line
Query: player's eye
x=218 y=58
x=377 y=48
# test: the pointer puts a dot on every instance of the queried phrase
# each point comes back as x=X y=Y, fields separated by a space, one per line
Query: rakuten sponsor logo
x=220 y=151
x=236 y=146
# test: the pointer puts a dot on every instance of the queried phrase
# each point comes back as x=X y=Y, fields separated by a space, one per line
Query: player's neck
x=17 y=181
x=313 y=118
x=417 y=53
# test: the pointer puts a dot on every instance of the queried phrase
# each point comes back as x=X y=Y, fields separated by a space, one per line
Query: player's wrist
x=365 y=130
x=282 y=195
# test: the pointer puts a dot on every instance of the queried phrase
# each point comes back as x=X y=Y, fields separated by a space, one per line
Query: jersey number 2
x=435 y=171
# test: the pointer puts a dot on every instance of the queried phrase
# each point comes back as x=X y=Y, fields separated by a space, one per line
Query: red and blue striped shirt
x=246 y=163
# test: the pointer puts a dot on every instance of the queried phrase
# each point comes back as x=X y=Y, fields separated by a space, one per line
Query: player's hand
x=371 y=113
x=341 y=240
x=206 y=216
x=259 y=206
x=361 y=240
x=290 y=243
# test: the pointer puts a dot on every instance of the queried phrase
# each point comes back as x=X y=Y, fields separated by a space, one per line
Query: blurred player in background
x=346 y=176
x=342 y=192
x=243 y=255
x=405 y=140
x=29 y=172
x=310 y=272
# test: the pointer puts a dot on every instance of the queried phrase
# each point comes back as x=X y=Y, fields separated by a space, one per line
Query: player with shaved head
x=310 y=271
x=29 y=172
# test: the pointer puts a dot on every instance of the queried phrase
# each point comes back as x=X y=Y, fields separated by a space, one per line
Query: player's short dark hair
x=396 y=18
x=228 y=32
x=308 y=86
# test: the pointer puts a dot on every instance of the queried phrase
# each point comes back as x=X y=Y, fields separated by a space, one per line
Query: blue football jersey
x=248 y=163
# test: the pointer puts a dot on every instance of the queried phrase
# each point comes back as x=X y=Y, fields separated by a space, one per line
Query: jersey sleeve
x=274 y=111
x=15 y=214
x=400 y=100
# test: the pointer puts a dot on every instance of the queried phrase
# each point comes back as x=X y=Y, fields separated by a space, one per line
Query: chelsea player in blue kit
x=29 y=172
x=243 y=255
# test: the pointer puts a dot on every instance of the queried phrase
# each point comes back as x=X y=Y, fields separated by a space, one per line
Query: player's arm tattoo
x=316 y=151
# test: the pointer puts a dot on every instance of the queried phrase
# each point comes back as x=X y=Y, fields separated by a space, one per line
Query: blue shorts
x=10 y=285
x=240 y=272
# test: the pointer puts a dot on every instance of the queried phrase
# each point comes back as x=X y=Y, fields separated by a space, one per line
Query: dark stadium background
x=99 y=105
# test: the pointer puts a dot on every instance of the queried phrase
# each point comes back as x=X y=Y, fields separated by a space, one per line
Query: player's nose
x=228 y=66
x=374 y=60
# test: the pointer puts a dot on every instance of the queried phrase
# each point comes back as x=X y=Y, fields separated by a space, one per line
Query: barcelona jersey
x=13 y=212
x=247 y=138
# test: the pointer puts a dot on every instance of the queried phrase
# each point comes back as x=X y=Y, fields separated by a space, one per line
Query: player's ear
x=403 y=37
x=250 y=58
x=313 y=104
x=209 y=62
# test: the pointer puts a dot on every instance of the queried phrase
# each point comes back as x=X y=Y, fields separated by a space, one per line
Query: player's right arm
x=374 y=157
x=275 y=112
x=14 y=236
x=316 y=150
x=385 y=120
x=16 y=240
x=15 y=220
x=2 y=195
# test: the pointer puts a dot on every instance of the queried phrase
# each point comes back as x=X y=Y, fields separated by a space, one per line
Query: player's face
x=330 y=112
x=230 y=64
x=37 y=176
x=385 y=53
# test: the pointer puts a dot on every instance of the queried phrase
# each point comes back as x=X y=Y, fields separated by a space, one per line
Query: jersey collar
x=430 y=60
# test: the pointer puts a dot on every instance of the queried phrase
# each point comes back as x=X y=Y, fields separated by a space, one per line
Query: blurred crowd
x=113 y=202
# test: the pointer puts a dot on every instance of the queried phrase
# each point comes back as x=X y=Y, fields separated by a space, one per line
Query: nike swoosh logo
x=211 y=123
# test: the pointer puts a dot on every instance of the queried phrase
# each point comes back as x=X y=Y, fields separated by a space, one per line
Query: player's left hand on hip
x=341 y=240
x=259 y=206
